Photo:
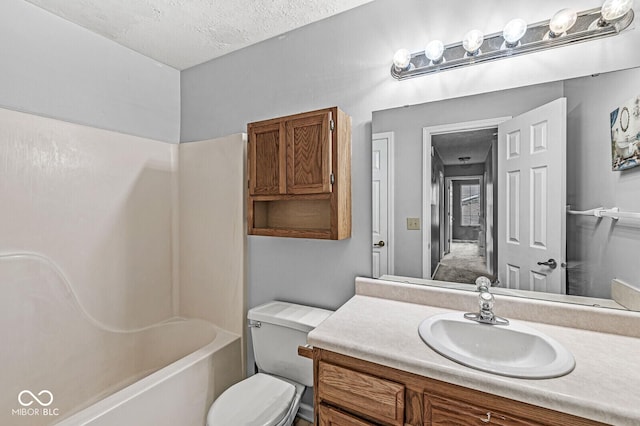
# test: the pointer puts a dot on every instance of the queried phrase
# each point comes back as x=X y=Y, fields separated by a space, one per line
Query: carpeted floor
x=463 y=264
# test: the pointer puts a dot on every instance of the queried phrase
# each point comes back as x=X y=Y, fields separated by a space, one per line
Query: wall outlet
x=413 y=223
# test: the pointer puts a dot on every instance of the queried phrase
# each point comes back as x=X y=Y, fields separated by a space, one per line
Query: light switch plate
x=413 y=223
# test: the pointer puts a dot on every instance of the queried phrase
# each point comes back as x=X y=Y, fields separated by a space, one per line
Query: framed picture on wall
x=625 y=135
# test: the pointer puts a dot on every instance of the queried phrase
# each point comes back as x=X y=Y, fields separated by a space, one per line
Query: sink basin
x=513 y=350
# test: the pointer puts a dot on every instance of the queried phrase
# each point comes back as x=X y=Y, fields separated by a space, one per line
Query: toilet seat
x=260 y=400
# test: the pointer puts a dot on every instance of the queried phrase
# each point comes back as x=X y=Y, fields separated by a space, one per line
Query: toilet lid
x=260 y=400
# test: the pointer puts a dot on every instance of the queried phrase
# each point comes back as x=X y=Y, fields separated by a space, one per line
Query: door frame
x=427 y=134
x=389 y=136
x=444 y=199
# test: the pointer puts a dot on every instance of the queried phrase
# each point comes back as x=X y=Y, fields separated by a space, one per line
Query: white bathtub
x=60 y=366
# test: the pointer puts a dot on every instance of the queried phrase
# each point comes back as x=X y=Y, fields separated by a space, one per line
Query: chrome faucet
x=486 y=302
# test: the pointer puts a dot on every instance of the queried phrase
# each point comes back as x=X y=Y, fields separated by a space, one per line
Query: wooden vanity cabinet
x=299 y=170
x=353 y=392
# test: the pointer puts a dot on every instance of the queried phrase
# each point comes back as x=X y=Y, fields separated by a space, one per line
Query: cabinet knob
x=488 y=419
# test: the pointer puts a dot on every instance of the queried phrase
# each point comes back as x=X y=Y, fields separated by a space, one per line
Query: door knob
x=551 y=263
x=379 y=244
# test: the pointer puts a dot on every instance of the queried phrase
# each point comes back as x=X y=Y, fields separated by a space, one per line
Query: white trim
x=427 y=133
x=389 y=136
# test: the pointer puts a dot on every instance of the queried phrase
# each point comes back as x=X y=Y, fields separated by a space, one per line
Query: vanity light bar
x=588 y=25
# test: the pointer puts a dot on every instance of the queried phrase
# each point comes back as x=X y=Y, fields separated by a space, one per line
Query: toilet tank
x=277 y=329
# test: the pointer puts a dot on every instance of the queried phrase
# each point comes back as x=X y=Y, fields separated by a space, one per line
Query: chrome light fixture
x=612 y=11
x=402 y=60
x=472 y=42
x=565 y=27
x=513 y=32
x=434 y=52
x=561 y=22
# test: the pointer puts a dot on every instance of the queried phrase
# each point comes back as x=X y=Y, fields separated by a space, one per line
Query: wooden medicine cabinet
x=299 y=170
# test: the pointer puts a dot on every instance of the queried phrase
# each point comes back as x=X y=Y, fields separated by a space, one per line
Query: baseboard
x=305 y=411
x=435 y=271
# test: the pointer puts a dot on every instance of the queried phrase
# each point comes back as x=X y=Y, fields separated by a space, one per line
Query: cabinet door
x=267 y=159
x=441 y=411
x=329 y=416
x=309 y=141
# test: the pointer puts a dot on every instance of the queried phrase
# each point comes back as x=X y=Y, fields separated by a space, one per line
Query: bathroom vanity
x=353 y=391
x=371 y=367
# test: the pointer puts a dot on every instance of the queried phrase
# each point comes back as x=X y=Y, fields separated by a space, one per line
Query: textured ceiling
x=184 y=33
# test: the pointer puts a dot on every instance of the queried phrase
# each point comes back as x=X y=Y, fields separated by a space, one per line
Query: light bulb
x=472 y=42
x=562 y=22
x=612 y=10
x=402 y=59
x=434 y=51
x=514 y=31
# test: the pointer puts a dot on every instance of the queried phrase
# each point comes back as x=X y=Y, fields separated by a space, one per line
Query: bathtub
x=58 y=365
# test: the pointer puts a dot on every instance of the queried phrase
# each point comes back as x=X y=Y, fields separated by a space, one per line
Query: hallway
x=463 y=264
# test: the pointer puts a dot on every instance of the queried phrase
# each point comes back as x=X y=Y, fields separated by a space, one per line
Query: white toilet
x=272 y=396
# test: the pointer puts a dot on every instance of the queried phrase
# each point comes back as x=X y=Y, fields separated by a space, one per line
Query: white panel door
x=381 y=205
x=532 y=199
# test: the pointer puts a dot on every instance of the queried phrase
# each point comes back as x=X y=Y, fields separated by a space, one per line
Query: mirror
x=445 y=196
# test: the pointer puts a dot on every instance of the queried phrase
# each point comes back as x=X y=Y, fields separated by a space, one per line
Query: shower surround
x=113 y=214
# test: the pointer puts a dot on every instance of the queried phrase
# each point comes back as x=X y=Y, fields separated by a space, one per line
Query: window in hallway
x=470 y=204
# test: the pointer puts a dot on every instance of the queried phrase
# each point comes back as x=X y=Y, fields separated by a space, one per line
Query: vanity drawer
x=372 y=397
x=330 y=416
x=439 y=411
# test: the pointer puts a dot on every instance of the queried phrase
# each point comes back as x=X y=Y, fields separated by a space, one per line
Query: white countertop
x=604 y=386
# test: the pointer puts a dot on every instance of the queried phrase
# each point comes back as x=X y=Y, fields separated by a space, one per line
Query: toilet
x=272 y=396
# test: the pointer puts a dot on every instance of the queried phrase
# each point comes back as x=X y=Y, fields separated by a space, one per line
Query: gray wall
x=600 y=249
x=57 y=69
x=407 y=124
